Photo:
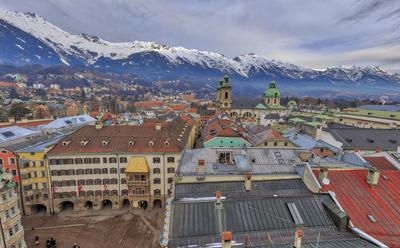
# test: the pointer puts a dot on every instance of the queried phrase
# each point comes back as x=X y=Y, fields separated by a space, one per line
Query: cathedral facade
x=263 y=111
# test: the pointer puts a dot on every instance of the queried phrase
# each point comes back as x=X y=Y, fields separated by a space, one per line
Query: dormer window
x=348 y=140
x=393 y=141
x=151 y=143
x=166 y=143
x=105 y=142
x=131 y=143
x=84 y=143
x=66 y=142
x=370 y=140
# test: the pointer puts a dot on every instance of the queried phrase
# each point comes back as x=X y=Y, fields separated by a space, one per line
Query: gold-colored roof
x=137 y=165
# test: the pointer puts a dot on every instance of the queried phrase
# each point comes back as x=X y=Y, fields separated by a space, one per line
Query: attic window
x=84 y=143
x=68 y=122
x=370 y=140
x=371 y=218
x=348 y=140
x=393 y=141
x=105 y=142
x=385 y=177
x=392 y=115
x=294 y=212
x=369 y=113
x=131 y=143
x=166 y=143
x=66 y=142
x=151 y=143
x=8 y=134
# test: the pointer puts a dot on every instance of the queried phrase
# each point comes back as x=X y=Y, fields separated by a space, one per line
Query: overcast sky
x=312 y=33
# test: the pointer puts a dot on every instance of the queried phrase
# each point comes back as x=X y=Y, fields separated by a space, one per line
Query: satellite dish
x=326 y=181
x=8 y=177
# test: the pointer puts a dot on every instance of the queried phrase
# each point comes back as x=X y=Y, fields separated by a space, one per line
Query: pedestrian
x=36 y=240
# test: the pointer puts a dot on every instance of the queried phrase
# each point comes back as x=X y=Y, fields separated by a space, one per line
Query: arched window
x=156 y=180
x=72 y=182
x=78 y=161
x=156 y=171
x=90 y=193
x=114 y=181
x=157 y=192
x=97 y=181
x=89 y=181
x=114 y=192
x=226 y=95
x=81 y=182
x=104 y=171
x=106 y=181
x=88 y=171
x=124 y=192
x=113 y=170
x=98 y=193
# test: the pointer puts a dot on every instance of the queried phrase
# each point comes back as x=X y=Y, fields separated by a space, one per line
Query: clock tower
x=224 y=94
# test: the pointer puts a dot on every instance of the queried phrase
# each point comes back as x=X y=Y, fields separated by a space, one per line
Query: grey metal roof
x=261 y=220
x=246 y=103
x=367 y=138
x=236 y=190
x=268 y=161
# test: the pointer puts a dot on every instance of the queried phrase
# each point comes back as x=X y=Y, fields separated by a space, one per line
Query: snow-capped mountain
x=26 y=38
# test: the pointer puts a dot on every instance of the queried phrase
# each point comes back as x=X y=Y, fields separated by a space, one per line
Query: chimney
x=201 y=168
x=158 y=126
x=297 y=238
x=99 y=125
x=247 y=181
x=323 y=173
x=373 y=176
x=318 y=132
x=218 y=198
x=226 y=239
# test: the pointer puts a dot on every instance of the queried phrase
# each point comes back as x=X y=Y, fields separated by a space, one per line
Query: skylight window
x=294 y=212
x=371 y=218
x=68 y=122
x=8 y=134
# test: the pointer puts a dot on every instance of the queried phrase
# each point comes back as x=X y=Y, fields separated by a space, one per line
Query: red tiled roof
x=7 y=84
x=143 y=138
x=106 y=116
x=28 y=124
x=360 y=200
x=94 y=114
x=380 y=162
x=218 y=127
x=178 y=107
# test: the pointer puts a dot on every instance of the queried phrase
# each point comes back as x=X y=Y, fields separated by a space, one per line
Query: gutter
x=356 y=230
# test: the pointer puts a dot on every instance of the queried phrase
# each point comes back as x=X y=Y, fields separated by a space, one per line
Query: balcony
x=138 y=183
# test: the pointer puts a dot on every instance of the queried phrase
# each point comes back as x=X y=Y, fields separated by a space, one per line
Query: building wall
x=9 y=161
x=61 y=192
x=367 y=122
x=11 y=219
x=226 y=142
x=34 y=180
x=276 y=143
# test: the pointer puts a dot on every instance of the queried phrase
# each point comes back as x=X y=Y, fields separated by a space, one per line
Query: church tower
x=224 y=94
x=272 y=96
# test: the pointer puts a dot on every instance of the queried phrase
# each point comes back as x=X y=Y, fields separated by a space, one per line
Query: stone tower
x=224 y=94
x=272 y=96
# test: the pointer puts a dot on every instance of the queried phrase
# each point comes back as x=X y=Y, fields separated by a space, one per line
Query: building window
x=104 y=160
x=87 y=160
x=12 y=160
x=156 y=171
x=157 y=192
x=78 y=161
x=43 y=173
x=171 y=170
x=170 y=180
x=89 y=182
x=286 y=144
x=89 y=171
x=113 y=170
x=122 y=170
x=112 y=160
x=156 y=160
x=275 y=143
x=96 y=160
x=97 y=181
x=14 y=172
x=138 y=191
x=97 y=171
x=104 y=171
x=224 y=158
x=106 y=181
x=81 y=182
x=123 y=180
x=44 y=185
x=7 y=214
x=123 y=160
x=13 y=210
x=114 y=181
x=98 y=193
x=156 y=180
x=80 y=172
x=171 y=159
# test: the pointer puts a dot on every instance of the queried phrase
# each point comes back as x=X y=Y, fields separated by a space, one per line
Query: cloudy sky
x=311 y=33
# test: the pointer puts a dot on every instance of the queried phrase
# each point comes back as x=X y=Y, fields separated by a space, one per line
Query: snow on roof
x=69 y=121
x=14 y=132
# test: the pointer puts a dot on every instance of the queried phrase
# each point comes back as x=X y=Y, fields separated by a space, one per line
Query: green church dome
x=224 y=83
x=292 y=103
x=272 y=91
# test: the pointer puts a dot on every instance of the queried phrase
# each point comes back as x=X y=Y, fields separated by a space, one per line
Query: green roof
x=272 y=91
x=261 y=106
x=224 y=83
x=292 y=103
x=373 y=113
x=297 y=120
x=324 y=117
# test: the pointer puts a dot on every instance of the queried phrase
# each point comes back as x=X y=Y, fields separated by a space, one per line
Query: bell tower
x=224 y=94
x=272 y=96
